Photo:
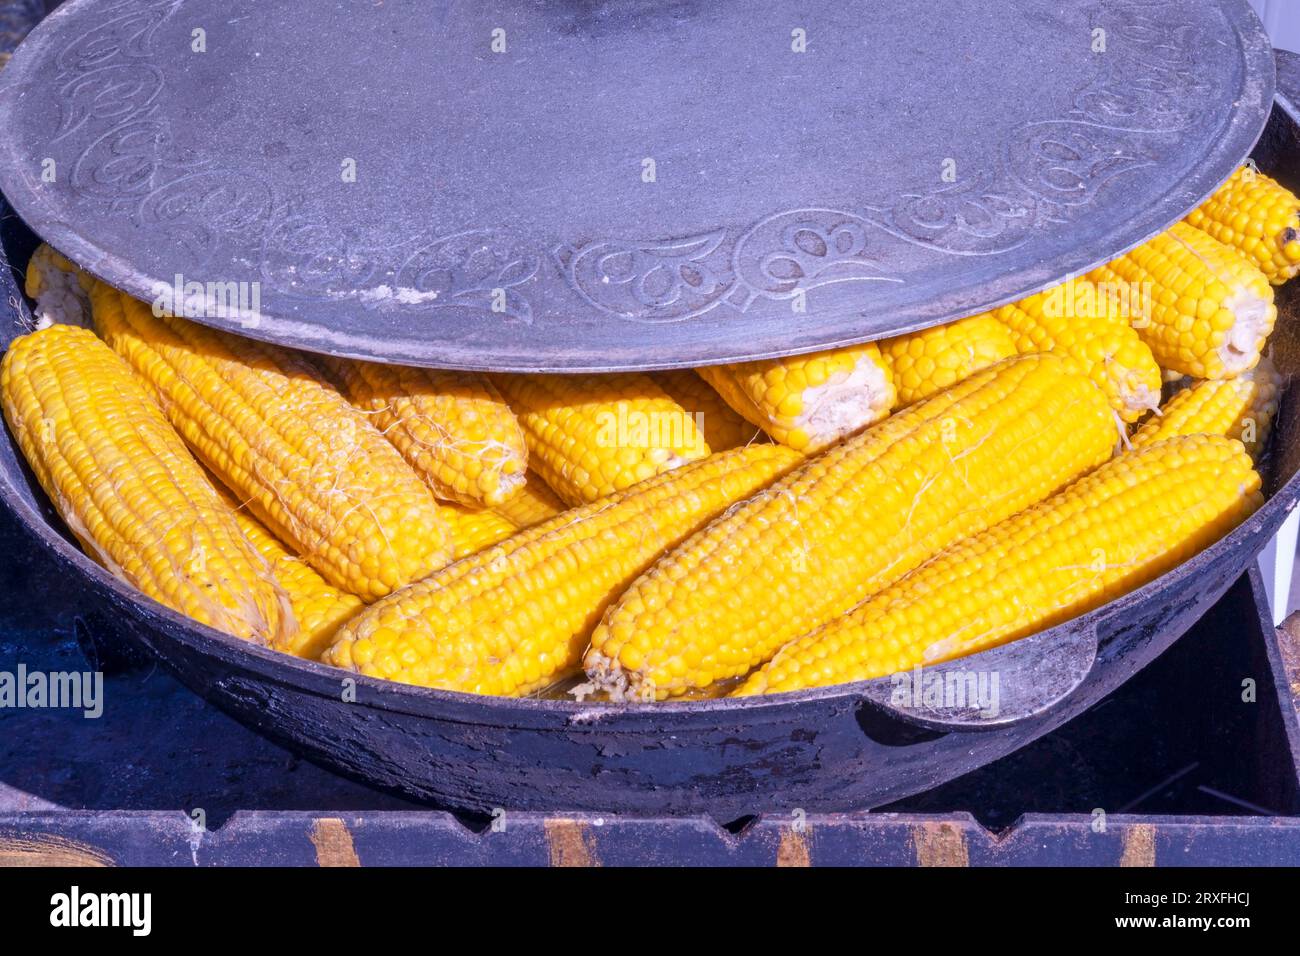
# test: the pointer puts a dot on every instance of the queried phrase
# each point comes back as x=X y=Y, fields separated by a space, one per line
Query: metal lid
x=626 y=184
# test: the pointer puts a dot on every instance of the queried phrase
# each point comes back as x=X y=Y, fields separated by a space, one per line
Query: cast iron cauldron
x=822 y=750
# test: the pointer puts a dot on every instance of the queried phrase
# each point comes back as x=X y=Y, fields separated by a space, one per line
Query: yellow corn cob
x=124 y=483
x=59 y=288
x=1210 y=308
x=454 y=428
x=312 y=468
x=809 y=401
x=1076 y=322
x=318 y=607
x=472 y=531
x=591 y=435
x=515 y=618
x=721 y=426
x=1242 y=408
x=850 y=522
x=931 y=360
x=1110 y=532
x=532 y=504
x=1258 y=216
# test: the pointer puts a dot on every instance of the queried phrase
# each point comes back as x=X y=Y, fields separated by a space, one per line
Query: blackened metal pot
x=823 y=750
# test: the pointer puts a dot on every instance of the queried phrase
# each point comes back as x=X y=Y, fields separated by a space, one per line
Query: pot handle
x=992 y=689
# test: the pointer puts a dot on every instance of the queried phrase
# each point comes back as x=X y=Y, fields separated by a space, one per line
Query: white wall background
x=1282 y=20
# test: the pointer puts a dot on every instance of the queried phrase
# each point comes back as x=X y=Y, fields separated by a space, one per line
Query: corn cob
x=59 y=288
x=1242 y=408
x=721 y=426
x=472 y=531
x=931 y=360
x=452 y=427
x=126 y=486
x=1076 y=322
x=1210 y=310
x=848 y=523
x=1258 y=216
x=515 y=618
x=1110 y=532
x=809 y=401
x=592 y=435
x=318 y=608
x=532 y=504
x=312 y=468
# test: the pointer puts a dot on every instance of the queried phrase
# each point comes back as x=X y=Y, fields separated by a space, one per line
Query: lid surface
x=554 y=185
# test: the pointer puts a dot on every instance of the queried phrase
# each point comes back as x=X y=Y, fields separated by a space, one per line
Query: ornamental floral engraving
x=649 y=281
